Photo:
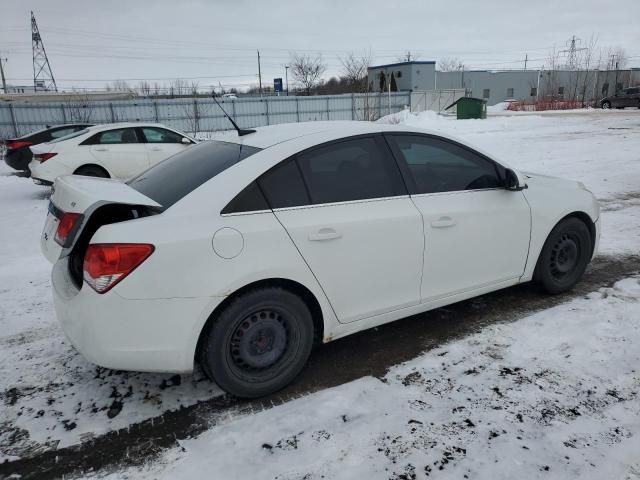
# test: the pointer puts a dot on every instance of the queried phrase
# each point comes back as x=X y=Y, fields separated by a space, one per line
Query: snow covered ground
x=554 y=395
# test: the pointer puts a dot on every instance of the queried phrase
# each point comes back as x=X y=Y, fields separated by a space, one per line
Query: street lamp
x=286 y=75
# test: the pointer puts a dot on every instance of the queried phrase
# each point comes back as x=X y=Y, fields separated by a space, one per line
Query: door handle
x=324 y=234
x=156 y=149
x=102 y=149
x=443 y=222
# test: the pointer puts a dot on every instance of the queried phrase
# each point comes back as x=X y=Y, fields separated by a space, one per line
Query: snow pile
x=52 y=397
x=554 y=395
x=498 y=107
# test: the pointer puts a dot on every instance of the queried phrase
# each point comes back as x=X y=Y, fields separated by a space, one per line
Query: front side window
x=160 y=135
x=434 y=165
x=355 y=169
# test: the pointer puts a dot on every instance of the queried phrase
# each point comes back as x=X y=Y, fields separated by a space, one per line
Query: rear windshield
x=170 y=180
x=71 y=135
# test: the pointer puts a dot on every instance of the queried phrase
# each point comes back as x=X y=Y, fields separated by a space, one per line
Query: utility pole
x=259 y=74
x=286 y=76
x=526 y=57
x=42 y=74
x=4 y=82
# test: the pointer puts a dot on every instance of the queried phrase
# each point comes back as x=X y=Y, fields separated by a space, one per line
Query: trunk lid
x=74 y=194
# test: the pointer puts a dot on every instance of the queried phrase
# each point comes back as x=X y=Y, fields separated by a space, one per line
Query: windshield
x=170 y=180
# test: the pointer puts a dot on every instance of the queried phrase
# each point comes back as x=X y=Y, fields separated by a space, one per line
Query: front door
x=476 y=232
x=346 y=209
x=162 y=143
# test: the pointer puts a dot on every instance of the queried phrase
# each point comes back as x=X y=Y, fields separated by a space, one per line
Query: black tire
x=564 y=257
x=92 y=171
x=606 y=104
x=259 y=343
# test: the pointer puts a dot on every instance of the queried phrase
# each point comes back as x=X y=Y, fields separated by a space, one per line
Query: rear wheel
x=564 y=257
x=92 y=171
x=606 y=104
x=258 y=343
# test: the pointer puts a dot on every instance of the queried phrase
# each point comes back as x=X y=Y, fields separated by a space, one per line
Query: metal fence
x=435 y=100
x=196 y=115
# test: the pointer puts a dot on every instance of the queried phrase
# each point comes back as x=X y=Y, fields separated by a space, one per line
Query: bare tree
x=407 y=57
x=355 y=69
x=144 y=88
x=79 y=108
x=120 y=86
x=307 y=69
x=449 y=64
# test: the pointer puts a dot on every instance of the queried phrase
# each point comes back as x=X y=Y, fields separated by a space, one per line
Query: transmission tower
x=42 y=74
x=572 y=52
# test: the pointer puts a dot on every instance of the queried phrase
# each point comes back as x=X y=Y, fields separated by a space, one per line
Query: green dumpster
x=469 y=107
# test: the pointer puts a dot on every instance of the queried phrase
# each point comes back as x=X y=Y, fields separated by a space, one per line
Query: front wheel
x=564 y=257
x=258 y=343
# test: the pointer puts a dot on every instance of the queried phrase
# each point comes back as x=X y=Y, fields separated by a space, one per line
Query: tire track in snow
x=367 y=353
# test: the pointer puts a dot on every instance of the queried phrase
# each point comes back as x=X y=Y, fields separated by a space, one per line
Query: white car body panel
x=120 y=161
x=386 y=261
x=473 y=238
x=339 y=242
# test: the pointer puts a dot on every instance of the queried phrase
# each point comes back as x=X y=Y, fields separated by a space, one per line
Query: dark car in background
x=17 y=153
x=629 y=97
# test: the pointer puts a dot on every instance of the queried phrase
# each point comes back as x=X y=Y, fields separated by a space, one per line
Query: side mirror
x=512 y=181
x=185 y=141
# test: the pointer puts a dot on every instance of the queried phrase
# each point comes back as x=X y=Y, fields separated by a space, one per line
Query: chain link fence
x=195 y=115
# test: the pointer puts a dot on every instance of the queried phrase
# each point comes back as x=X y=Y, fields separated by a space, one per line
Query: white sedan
x=117 y=150
x=242 y=254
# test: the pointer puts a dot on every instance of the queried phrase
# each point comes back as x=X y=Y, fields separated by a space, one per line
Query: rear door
x=476 y=232
x=161 y=143
x=346 y=208
x=120 y=150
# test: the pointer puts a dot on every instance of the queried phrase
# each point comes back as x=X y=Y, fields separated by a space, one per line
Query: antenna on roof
x=240 y=131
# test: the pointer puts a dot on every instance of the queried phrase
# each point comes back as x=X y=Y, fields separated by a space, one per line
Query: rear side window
x=283 y=186
x=114 y=137
x=356 y=169
x=177 y=176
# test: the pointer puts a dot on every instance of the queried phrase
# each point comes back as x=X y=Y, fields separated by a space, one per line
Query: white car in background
x=118 y=151
x=241 y=254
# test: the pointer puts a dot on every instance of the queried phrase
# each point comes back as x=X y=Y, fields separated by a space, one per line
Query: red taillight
x=16 y=144
x=67 y=222
x=106 y=264
x=43 y=157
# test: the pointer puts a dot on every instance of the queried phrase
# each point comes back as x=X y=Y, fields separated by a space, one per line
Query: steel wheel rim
x=260 y=341
x=565 y=256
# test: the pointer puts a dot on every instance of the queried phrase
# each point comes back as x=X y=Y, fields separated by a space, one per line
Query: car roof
x=112 y=126
x=265 y=137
